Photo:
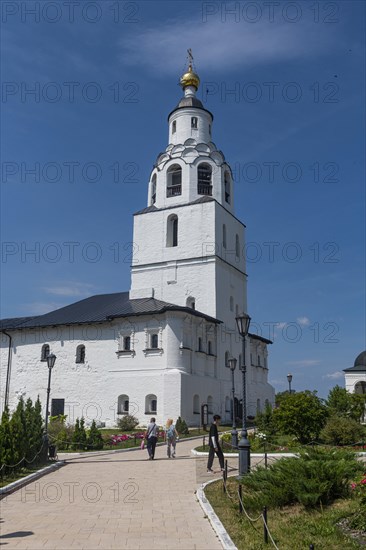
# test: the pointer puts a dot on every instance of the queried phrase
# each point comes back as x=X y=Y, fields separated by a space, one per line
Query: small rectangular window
x=194 y=122
x=57 y=407
x=154 y=344
x=127 y=343
x=199 y=344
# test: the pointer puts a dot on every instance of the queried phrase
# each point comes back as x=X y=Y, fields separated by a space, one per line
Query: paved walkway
x=119 y=500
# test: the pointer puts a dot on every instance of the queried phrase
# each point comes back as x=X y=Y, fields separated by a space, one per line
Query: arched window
x=231 y=303
x=200 y=344
x=80 y=354
x=224 y=236
x=237 y=246
x=150 y=404
x=154 y=341
x=209 y=404
x=196 y=404
x=204 y=175
x=227 y=187
x=174 y=126
x=174 y=181
x=153 y=189
x=209 y=347
x=227 y=356
x=259 y=360
x=127 y=343
x=123 y=404
x=45 y=352
x=194 y=122
x=172 y=230
x=191 y=302
x=227 y=404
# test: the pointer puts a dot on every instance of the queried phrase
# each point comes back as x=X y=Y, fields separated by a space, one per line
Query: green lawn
x=292 y=528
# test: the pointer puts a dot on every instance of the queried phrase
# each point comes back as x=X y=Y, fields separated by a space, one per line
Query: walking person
x=215 y=445
x=171 y=437
x=151 y=436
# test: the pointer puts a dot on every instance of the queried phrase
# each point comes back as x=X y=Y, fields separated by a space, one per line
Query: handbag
x=142 y=444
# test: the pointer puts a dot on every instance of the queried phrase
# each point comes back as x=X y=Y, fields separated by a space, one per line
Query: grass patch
x=291 y=527
x=19 y=474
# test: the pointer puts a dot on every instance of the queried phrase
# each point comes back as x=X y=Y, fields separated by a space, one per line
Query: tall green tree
x=95 y=439
x=19 y=431
x=341 y=402
x=6 y=440
x=83 y=436
x=76 y=436
x=302 y=414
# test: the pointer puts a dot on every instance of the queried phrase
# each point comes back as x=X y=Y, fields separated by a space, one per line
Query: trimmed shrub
x=316 y=477
x=340 y=430
x=127 y=423
x=181 y=426
x=95 y=439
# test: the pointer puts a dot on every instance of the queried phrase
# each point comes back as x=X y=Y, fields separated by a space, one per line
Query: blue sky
x=286 y=86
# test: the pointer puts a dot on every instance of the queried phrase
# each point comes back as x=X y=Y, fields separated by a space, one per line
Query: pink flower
x=353 y=485
x=363 y=481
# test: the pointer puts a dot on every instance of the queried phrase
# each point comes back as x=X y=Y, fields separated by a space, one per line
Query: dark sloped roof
x=13 y=322
x=256 y=337
x=359 y=365
x=102 y=308
x=360 y=360
x=357 y=368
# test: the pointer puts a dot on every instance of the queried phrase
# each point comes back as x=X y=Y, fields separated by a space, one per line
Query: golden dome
x=190 y=79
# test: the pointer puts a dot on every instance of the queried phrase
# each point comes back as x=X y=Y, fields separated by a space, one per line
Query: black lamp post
x=289 y=380
x=51 y=358
x=231 y=364
x=243 y=322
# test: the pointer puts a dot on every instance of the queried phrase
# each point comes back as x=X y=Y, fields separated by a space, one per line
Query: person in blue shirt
x=151 y=436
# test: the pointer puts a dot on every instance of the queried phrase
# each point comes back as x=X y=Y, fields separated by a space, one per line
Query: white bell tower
x=188 y=243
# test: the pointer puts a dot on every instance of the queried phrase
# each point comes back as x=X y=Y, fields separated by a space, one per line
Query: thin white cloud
x=70 y=289
x=304 y=363
x=303 y=321
x=216 y=44
x=334 y=375
x=39 y=308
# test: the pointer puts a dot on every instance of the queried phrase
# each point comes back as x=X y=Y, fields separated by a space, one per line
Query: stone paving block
x=165 y=516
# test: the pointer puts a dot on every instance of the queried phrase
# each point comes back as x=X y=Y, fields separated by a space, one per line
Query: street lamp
x=289 y=380
x=243 y=322
x=231 y=364
x=51 y=358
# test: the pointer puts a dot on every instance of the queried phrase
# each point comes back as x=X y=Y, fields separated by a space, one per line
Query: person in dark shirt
x=215 y=445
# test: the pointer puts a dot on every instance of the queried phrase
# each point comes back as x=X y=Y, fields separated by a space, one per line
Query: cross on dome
x=190 y=78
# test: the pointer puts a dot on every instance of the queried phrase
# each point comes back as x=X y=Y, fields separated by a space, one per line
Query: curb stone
x=19 y=483
x=216 y=524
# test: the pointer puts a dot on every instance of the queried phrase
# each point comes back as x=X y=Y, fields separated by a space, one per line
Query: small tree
x=76 y=436
x=181 y=426
x=95 y=439
x=340 y=430
x=83 y=436
x=19 y=431
x=127 y=423
x=264 y=420
x=301 y=414
x=6 y=440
